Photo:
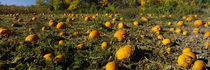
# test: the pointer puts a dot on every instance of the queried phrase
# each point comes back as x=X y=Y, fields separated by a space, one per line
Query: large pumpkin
x=4 y=31
x=111 y=66
x=198 y=22
x=184 y=60
x=94 y=34
x=32 y=38
x=61 y=25
x=198 y=65
x=123 y=52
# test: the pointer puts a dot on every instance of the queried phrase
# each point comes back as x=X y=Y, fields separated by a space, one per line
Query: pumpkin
x=169 y=15
x=94 y=34
x=76 y=33
x=207 y=44
x=166 y=41
x=32 y=38
x=149 y=15
x=178 y=31
x=191 y=54
x=94 y=17
x=48 y=56
x=198 y=65
x=34 y=18
x=13 y=25
x=30 y=29
x=185 y=50
x=184 y=61
x=121 y=25
x=114 y=19
x=123 y=52
x=157 y=28
x=198 y=22
x=108 y=24
x=180 y=23
x=43 y=28
x=52 y=23
x=81 y=46
x=68 y=19
x=136 y=23
x=120 y=34
x=61 y=25
x=189 y=19
x=59 y=58
x=121 y=18
x=111 y=66
x=61 y=42
x=20 y=20
x=171 y=29
x=87 y=18
x=72 y=19
x=5 y=31
x=104 y=45
x=207 y=35
x=195 y=15
x=142 y=36
x=145 y=19
x=184 y=33
x=196 y=30
x=169 y=23
x=106 y=14
x=168 y=50
x=62 y=33
x=110 y=16
x=160 y=37
x=206 y=25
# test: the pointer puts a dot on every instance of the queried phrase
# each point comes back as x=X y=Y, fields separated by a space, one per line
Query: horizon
x=18 y=2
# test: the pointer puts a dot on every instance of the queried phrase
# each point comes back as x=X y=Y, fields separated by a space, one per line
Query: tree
x=40 y=3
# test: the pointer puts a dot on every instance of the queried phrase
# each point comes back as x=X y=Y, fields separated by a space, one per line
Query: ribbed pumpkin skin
x=123 y=52
x=94 y=34
x=198 y=22
x=136 y=23
x=196 y=30
x=178 y=31
x=198 y=65
x=120 y=35
x=180 y=23
x=104 y=45
x=108 y=24
x=111 y=66
x=157 y=28
x=191 y=54
x=61 y=25
x=121 y=25
x=186 y=50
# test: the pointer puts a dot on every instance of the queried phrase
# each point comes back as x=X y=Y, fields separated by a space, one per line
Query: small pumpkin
x=120 y=35
x=198 y=22
x=121 y=18
x=94 y=34
x=185 y=50
x=180 y=23
x=81 y=46
x=68 y=19
x=207 y=35
x=111 y=66
x=87 y=18
x=20 y=20
x=189 y=19
x=196 y=30
x=136 y=23
x=184 y=61
x=145 y=19
x=169 y=23
x=34 y=18
x=166 y=41
x=114 y=19
x=171 y=29
x=207 y=44
x=198 y=65
x=48 y=56
x=160 y=37
x=32 y=38
x=104 y=45
x=44 y=28
x=52 y=23
x=30 y=29
x=157 y=28
x=142 y=36
x=76 y=33
x=123 y=52
x=191 y=54
x=121 y=25
x=61 y=42
x=178 y=31
x=61 y=25
x=59 y=58
x=108 y=24
x=184 y=33
x=5 y=31
x=62 y=33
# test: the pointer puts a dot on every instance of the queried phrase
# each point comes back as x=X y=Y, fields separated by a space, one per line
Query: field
x=75 y=49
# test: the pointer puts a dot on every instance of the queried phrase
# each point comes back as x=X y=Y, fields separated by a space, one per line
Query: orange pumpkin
x=160 y=37
x=207 y=44
x=121 y=18
x=62 y=33
x=94 y=34
x=189 y=19
x=30 y=29
x=68 y=19
x=136 y=23
x=191 y=54
x=142 y=36
x=104 y=45
x=123 y=52
x=34 y=18
x=52 y=23
x=180 y=23
x=166 y=41
x=87 y=18
x=171 y=29
x=5 y=31
x=43 y=28
x=157 y=28
x=32 y=38
x=108 y=24
x=121 y=25
x=196 y=30
x=81 y=46
x=145 y=19
x=198 y=22
x=185 y=50
x=61 y=42
x=120 y=34
x=184 y=17
x=61 y=25
x=184 y=33
x=198 y=65
x=48 y=56
x=169 y=23
x=207 y=35
x=20 y=20
x=184 y=61
x=59 y=58
x=178 y=31
x=111 y=66
x=114 y=19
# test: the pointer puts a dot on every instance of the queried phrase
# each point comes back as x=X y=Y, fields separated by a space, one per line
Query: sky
x=18 y=2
